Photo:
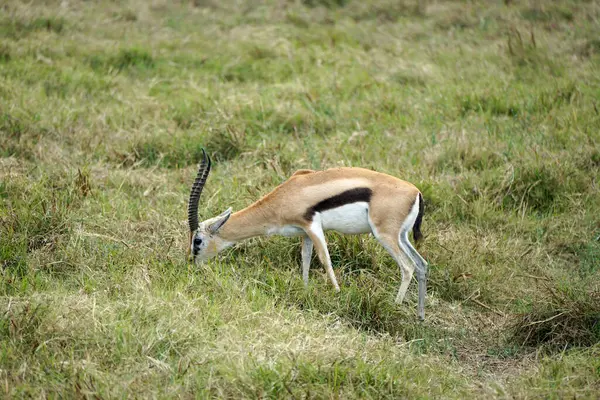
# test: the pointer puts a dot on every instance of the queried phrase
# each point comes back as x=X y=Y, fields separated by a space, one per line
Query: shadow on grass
x=568 y=316
x=366 y=300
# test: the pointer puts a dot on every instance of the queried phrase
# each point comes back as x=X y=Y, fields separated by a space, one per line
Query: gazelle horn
x=197 y=187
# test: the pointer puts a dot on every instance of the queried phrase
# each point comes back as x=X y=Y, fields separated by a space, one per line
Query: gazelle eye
x=197 y=242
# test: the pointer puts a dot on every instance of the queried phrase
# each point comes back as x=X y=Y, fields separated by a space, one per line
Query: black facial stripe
x=349 y=196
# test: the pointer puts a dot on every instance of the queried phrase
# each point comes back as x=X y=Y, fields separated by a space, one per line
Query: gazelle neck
x=252 y=221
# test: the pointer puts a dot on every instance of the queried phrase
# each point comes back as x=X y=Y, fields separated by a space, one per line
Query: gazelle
x=346 y=200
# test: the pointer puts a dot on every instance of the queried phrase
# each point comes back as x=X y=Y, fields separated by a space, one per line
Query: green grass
x=490 y=108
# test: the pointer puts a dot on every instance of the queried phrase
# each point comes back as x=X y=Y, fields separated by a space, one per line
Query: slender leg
x=403 y=260
x=421 y=265
x=407 y=274
x=307 y=248
x=395 y=240
x=316 y=235
x=406 y=267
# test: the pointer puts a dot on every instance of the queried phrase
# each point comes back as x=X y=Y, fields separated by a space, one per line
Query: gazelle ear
x=219 y=221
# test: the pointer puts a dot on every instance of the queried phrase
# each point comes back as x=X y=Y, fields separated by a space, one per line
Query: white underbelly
x=350 y=218
x=286 y=230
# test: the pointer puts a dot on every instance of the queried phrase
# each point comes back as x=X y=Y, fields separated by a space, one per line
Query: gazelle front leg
x=316 y=235
x=307 y=248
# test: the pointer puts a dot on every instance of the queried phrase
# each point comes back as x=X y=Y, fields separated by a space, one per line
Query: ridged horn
x=197 y=187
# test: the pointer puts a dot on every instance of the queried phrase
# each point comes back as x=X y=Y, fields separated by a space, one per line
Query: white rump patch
x=411 y=217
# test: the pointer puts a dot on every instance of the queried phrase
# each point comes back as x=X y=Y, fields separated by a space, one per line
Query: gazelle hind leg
x=420 y=261
x=421 y=266
x=402 y=259
x=316 y=235
x=407 y=268
x=307 y=248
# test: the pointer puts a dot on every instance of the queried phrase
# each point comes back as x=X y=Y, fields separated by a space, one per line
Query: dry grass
x=568 y=317
x=491 y=108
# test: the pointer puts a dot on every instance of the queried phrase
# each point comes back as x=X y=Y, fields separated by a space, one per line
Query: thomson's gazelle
x=346 y=200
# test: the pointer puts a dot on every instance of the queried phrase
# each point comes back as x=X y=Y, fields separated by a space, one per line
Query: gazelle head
x=205 y=241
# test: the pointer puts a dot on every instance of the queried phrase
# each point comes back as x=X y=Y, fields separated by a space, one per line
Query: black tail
x=417 y=226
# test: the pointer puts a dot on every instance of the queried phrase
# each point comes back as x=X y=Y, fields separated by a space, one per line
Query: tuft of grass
x=12 y=126
x=18 y=28
x=494 y=105
x=184 y=148
x=5 y=53
x=535 y=187
x=457 y=21
x=128 y=15
x=562 y=377
x=20 y=327
x=589 y=257
x=409 y=78
x=470 y=157
x=163 y=151
x=590 y=48
x=125 y=59
x=326 y=3
x=569 y=317
x=134 y=57
x=547 y=13
x=527 y=56
x=227 y=143
x=38 y=216
x=384 y=11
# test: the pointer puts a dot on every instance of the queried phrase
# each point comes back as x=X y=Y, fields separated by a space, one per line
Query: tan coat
x=287 y=204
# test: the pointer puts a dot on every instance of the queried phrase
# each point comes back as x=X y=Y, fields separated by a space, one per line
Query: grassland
x=490 y=107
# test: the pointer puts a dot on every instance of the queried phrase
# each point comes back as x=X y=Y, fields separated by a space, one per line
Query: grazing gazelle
x=346 y=200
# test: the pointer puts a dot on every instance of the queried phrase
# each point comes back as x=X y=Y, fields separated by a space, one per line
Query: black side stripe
x=349 y=196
